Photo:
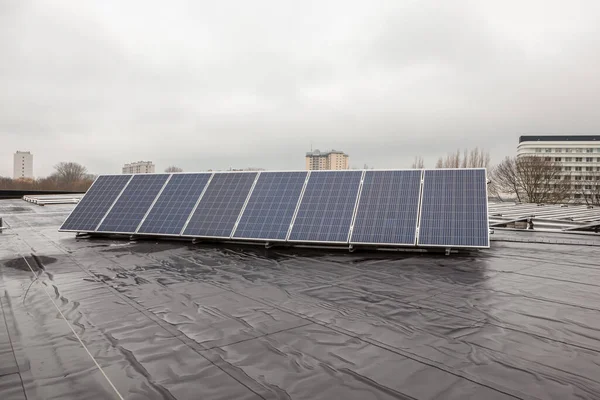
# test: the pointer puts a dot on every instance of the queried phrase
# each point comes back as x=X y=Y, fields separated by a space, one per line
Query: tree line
x=528 y=179
x=67 y=176
x=474 y=158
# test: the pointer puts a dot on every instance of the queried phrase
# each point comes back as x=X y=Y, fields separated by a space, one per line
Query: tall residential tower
x=333 y=159
x=23 y=165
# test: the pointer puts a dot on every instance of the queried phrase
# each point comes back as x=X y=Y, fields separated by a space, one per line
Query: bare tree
x=68 y=176
x=5 y=182
x=418 y=163
x=69 y=173
x=17 y=184
x=531 y=179
x=478 y=158
x=452 y=160
x=588 y=189
x=475 y=158
x=540 y=180
x=173 y=168
x=504 y=179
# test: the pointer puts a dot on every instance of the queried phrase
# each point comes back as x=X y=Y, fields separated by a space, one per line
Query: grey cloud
x=214 y=85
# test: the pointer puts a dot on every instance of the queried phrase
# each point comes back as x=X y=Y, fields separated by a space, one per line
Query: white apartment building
x=578 y=156
x=334 y=159
x=23 y=165
x=139 y=167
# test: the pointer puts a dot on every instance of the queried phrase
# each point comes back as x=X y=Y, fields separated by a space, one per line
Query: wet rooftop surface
x=172 y=320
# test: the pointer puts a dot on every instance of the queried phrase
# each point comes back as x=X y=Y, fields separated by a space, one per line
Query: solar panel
x=271 y=207
x=221 y=204
x=327 y=206
x=454 y=209
x=445 y=207
x=128 y=211
x=93 y=206
x=388 y=208
x=175 y=204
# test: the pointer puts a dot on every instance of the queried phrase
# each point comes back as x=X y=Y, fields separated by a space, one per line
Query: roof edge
x=559 y=138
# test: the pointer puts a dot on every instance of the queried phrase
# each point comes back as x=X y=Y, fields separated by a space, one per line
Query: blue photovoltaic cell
x=221 y=204
x=93 y=206
x=130 y=208
x=326 y=209
x=388 y=208
x=176 y=202
x=271 y=207
x=454 y=209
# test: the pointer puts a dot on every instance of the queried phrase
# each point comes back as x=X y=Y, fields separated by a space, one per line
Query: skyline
x=205 y=85
x=429 y=163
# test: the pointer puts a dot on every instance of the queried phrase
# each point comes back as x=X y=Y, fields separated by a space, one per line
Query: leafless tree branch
x=418 y=163
x=532 y=179
x=475 y=158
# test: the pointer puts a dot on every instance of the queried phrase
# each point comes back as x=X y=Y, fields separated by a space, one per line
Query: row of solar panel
x=361 y=207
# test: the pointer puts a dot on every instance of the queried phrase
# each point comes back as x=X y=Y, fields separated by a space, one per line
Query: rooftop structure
x=170 y=320
x=334 y=159
x=545 y=217
x=559 y=138
x=45 y=199
x=139 y=167
x=23 y=165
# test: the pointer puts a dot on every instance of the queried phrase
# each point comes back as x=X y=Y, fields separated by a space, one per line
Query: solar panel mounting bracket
x=356 y=203
x=419 y=209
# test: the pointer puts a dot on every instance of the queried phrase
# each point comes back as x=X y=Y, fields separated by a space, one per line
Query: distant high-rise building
x=334 y=159
x=23 y=165
x=139 y=167
x=576 y=156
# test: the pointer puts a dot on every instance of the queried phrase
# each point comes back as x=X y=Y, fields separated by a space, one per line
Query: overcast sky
x=218 y=84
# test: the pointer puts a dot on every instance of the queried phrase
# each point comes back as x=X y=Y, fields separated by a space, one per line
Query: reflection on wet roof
x=174 y=320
